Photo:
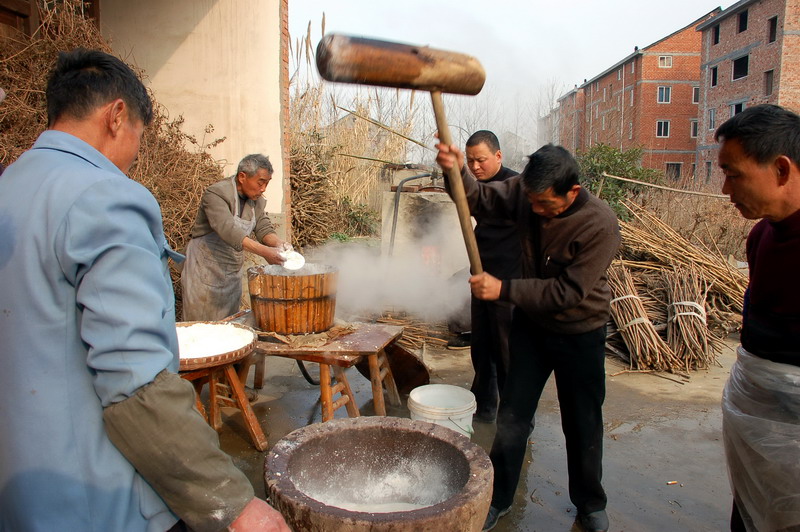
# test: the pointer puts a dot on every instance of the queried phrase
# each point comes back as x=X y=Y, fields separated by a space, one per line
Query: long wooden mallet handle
x=457 y=188
x=349 y=59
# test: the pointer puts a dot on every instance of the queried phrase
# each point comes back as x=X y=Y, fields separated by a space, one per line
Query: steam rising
x=417 y=279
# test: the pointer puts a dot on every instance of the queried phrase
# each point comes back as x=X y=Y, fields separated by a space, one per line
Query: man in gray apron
x=230 y=211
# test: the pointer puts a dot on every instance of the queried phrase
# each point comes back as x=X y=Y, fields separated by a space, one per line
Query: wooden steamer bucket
x=293 y=301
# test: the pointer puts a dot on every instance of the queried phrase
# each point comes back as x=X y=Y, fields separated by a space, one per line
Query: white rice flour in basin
x=201 y=340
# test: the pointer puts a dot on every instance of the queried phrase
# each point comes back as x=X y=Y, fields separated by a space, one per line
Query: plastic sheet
x=761 y=431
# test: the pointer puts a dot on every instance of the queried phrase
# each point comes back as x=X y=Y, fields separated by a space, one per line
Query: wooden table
x=369 y=339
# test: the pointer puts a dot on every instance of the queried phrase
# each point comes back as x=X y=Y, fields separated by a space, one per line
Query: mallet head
x=348 y=59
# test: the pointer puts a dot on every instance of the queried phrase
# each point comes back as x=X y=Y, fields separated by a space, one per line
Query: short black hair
x=486 y=137
x=550 y=166
x=765 y=132
x=83 y=80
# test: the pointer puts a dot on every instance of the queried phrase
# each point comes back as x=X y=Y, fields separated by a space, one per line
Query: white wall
x=215 y=62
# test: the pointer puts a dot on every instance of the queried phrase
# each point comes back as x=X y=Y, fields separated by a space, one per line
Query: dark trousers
x=491 y=325
x=578 y=363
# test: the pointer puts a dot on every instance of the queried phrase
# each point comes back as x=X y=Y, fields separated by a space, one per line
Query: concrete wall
x=218 y=62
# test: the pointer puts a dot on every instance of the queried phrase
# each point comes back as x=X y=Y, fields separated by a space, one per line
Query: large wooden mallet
x=389 y=64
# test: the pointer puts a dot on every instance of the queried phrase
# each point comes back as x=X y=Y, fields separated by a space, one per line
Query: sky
x=530 y=49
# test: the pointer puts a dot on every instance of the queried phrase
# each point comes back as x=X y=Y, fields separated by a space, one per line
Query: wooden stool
x=380 y=375
x=369 y=339
x=225 y=388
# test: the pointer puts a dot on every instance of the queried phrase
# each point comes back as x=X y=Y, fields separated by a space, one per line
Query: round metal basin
x=379 y=474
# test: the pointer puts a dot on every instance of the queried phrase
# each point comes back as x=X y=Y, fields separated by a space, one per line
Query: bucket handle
x=468 y=430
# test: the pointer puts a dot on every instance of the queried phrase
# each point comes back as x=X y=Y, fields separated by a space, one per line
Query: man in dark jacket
x=568 y=238
x=500 y=252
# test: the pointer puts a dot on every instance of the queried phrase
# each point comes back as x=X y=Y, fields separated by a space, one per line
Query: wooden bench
x=368 y=340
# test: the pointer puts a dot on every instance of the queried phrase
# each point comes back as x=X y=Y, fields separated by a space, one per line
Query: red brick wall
x=284 y=88
x=612 y=118
x=570 y=126
x=779 y=56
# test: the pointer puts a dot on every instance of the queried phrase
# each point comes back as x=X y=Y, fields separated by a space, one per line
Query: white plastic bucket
x=445 y=405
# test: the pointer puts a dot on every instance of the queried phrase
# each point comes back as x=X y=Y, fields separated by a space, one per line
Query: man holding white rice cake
x=230 y=211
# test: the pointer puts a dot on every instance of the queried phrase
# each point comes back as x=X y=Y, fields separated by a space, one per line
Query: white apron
x=211 y=281
x=761 y=432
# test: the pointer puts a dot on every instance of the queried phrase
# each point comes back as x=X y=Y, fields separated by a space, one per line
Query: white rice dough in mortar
x=201 y=340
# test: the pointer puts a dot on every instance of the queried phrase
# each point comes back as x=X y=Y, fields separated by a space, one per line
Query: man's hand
x=449 y=157
x=485 y=287
x=272 y=255
x=259 y=516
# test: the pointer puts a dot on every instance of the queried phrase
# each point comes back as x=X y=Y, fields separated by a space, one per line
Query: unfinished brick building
x=750 y=55
x=649 y=99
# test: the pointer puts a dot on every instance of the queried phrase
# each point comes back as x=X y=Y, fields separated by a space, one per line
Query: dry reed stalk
x=687 y=328
x=348 y=150
x=416 y=334
x=652 y=239
x=646 y=348
x=709 y=222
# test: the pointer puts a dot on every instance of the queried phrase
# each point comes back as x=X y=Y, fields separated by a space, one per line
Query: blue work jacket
x=86 y=319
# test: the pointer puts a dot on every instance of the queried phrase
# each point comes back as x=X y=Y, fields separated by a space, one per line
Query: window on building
x=769 y=77
x=664 y=94
x=715 y=34
x=603 y=123
x=693 y=128
x=713 y=76
x=633 y=67
x=619 y=74
x=740 y=67
x=694 y=170
x=772 y=29
x=708 y=172
x=665 y=61
x=674 y=171
x=631 y=97
x=695 y=94
x=596 y=85
x=712 y=119
x=630 y=130
x=604 y=94
x=742 y=21
x=737 y=108
x=662 y=128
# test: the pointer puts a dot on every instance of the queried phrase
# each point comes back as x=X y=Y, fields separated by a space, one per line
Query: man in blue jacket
x=98 y=430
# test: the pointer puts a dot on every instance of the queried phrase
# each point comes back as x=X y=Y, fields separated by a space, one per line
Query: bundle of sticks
x=646 y=349
x=687 y=327
x=651 y=244
x=415 y=332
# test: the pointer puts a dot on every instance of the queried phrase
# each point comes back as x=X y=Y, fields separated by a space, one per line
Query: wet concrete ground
x=664 y=464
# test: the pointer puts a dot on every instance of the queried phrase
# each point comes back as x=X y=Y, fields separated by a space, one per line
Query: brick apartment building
x=649 y=99
x=750 y=55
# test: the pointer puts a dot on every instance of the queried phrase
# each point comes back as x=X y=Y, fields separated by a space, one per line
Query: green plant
x=360 y=219
x=624 y=163
x=339 y=237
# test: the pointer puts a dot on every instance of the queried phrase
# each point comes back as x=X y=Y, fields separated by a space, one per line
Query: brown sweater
x=564 y=287
x=216 y=214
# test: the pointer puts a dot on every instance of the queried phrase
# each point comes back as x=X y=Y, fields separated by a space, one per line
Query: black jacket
x=499 y=240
